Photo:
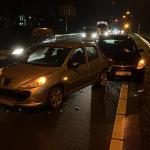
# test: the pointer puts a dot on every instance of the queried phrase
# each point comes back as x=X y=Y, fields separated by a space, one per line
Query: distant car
x=39 y=34
x=90 y=34
x=12 y=44
x=50 y=72
x=125 y=56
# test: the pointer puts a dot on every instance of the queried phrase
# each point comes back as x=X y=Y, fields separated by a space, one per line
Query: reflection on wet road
x=85 y=121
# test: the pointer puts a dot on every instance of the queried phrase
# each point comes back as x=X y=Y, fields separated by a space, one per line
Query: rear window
x=115 y=45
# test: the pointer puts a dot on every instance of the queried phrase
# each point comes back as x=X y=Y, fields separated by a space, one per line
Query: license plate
x=123 y=73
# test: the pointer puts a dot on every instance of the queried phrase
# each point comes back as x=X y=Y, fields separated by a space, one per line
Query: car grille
x=18 y=95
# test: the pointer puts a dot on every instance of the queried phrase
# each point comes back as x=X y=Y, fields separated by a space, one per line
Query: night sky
x=86 y=10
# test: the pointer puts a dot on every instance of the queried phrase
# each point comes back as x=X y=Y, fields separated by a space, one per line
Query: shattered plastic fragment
x=77 y=108
x=141 y=91
x=61 y=110
x=7 y=111
x=49 y=112
x=20 y=109
x=135 y=95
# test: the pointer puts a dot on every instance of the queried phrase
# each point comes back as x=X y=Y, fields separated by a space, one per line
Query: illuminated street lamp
x=126 y=25
x=124 y=17
x=128 y=12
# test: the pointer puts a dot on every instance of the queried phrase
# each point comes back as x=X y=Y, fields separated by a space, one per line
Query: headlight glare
x=84 y=35
x=94 y=35
x=34 y=83
x=106 y=33
x=18 y=51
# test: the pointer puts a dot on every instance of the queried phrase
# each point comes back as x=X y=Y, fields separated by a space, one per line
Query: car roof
x=65 y=44
x=119 y=37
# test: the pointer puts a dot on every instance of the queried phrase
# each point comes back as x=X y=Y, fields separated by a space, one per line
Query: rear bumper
x=126 y=72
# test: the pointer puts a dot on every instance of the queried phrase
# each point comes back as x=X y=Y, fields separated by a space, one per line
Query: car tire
x=102 y=81
x=55 y=97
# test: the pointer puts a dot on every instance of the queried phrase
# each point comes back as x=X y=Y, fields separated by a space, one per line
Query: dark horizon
x=87 y=12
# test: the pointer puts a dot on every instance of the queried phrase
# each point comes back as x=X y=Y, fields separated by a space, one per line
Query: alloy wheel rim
x=56 y=98
x=103 y=79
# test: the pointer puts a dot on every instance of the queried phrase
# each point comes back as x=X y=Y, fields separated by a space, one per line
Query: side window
x=78 y=56
x=131 y=46
x=134 y=45
x=91 y=52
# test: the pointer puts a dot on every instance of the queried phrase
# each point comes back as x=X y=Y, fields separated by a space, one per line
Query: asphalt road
x=84 y=122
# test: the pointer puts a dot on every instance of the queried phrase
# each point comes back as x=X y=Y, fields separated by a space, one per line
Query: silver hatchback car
x=50 y=72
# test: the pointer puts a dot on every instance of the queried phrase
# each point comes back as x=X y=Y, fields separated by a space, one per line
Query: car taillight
x=141 y=64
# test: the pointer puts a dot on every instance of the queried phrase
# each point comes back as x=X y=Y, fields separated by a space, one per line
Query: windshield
x=48 y=56
x=113 y=45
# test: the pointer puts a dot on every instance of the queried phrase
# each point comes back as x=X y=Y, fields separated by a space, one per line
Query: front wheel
x=102 y=79
x=55 y=97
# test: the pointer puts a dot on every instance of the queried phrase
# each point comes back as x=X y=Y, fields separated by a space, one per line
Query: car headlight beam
x=18 y=51
x=84 y=35
x=34 y=83
x=94 y=35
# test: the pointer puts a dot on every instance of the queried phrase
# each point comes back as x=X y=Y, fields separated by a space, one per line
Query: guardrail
x=72 y=36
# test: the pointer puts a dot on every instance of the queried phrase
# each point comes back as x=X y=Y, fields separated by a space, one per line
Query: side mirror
x=73 y=64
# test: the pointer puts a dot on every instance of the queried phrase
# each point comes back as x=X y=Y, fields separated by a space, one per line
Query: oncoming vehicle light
x=34 y=83
x=84 y=35
x=122 y=31
x=141 y=64
x=106 y=33
x=94 y=35
x=18 y=51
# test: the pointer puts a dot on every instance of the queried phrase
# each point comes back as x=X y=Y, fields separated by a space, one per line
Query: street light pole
x=66 y=18
x=131 y=19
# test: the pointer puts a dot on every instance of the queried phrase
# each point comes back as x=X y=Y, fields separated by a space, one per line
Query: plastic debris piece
x=77 y=108
x=141 y=91
x=61 y=110
x=19 y=109
x=7 y=111
x=49 y=112
x=135 y=95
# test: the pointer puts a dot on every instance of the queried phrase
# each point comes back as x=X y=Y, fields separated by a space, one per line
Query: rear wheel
x=102 y=79
x=55 y=97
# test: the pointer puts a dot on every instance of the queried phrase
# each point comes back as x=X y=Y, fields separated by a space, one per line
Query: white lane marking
x=119 y=125
x=145 y=41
